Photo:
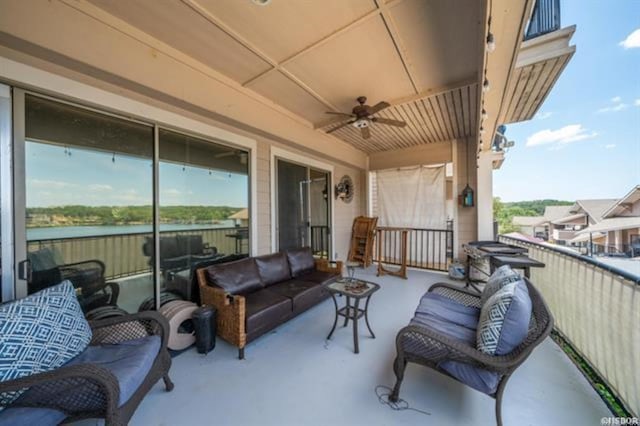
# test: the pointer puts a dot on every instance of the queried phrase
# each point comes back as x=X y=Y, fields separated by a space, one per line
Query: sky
x=585 y=140
x=91 y=178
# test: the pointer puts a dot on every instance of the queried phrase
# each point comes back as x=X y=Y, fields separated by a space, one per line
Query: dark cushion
x=265 y=310
x=273 y=268
x=319 y=277
x=303 y=294
x=190 y=244
x=169 y=247
x=130 y=361
x=301 y=261
x=239 y=277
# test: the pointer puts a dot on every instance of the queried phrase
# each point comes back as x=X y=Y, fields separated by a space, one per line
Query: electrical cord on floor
x=399 y=405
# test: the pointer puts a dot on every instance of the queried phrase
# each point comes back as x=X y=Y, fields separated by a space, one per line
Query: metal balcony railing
x=544 y=19
x=122 y=253
x=424 y=248
x=597 y=309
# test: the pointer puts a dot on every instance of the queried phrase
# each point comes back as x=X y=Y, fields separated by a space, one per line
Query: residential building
x=527 y=224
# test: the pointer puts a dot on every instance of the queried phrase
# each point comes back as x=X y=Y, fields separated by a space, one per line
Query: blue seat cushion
x=457 y=322
x=31 y=416
x=449 y=310
x=129 y=361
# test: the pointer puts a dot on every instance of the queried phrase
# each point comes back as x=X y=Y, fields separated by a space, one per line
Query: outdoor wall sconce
x=467 y=197
x=344 y=189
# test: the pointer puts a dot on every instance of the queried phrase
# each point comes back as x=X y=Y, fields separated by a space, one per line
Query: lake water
x=86 y=231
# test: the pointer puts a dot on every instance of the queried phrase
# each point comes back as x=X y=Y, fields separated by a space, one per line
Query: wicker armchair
x=231 y=309
x=89 y=390
x=427 y=347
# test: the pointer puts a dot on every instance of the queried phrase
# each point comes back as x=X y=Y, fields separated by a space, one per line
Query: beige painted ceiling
x=313 y=56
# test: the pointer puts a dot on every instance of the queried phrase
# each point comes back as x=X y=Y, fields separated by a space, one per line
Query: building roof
x=526 y=220
x=617 y=208
x=594 y=208
x=613 y=224
x=240 y=214
x=552 y=213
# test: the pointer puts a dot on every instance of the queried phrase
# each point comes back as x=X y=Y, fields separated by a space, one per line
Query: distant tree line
x=504 y=212
x=123 y=215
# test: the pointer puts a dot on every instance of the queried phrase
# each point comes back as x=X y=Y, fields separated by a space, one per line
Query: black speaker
x=204 y=322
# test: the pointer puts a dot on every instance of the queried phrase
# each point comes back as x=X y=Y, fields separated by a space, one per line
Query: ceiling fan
x=361 y=117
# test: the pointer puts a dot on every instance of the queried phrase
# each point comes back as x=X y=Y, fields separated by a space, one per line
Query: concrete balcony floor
x=293 y=376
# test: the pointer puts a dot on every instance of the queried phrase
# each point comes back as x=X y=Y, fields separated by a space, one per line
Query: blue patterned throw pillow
x=504 y=319
x=41 y=332
x=500 y=277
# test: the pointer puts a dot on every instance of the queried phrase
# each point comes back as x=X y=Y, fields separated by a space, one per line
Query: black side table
x=351 y=311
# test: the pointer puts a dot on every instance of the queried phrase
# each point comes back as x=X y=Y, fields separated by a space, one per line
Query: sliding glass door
x=303 y=209
x=125 y=210
x=6 y=191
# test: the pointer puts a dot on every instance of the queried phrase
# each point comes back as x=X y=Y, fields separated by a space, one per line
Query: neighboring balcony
x=543 y=55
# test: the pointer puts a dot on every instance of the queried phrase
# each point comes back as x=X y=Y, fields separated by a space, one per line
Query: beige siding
x=466 y=222
x=345 y=212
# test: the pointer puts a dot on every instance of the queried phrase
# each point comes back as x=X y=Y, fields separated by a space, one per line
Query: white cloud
x=543 y=115
x=637 y=102
x=49 y=184
x=100 y=187
x=632 y=40
x=172 y=192
x=610 y=146
x=562 y=136
x=618 y=105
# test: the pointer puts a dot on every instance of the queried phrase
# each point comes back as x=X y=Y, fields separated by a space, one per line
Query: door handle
x=25 y=271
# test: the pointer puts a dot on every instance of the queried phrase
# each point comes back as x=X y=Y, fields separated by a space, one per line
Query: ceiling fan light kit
x=362 y=117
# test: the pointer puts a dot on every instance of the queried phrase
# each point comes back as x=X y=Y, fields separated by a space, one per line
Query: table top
x=518 y=261
x=342 y=286
x=503 y=249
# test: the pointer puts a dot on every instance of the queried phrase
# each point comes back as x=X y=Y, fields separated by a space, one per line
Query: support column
x=465 y=223
x=484 y=196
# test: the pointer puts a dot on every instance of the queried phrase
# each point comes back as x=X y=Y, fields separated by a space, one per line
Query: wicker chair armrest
x=231 y=310
x=325 y=265
x=73 y=389
x=128 y=327
x=438 y=347
x=457 y=294
x=85 y=264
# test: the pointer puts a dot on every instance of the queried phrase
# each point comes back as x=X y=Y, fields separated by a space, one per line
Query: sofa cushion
x=319 y=277
x=130 y=361
x=303 y=294
x=31 y=416
x=265 y=310
x=504 y=319
x=445 y=327
x=478 y=378
x=239 y=277
x=500 y=277
x=41 y=332
x=449 y=310
x=301 y=261
x=273 y=268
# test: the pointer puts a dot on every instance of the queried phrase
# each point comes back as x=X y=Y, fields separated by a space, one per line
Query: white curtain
x=412 y=198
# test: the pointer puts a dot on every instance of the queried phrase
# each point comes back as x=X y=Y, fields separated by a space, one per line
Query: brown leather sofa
x=256 y=294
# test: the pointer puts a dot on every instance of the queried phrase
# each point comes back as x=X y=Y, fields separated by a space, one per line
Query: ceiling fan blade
x=346 y=123
x=365 y=132
x=389 y=121
x=378 y=107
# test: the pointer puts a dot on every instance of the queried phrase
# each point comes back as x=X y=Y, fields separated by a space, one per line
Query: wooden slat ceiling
x=530 y=86
x=444 y=116
x=310 y=57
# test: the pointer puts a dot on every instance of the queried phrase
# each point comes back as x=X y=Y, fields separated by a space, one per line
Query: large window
x=95 y=213
x=204 y=215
